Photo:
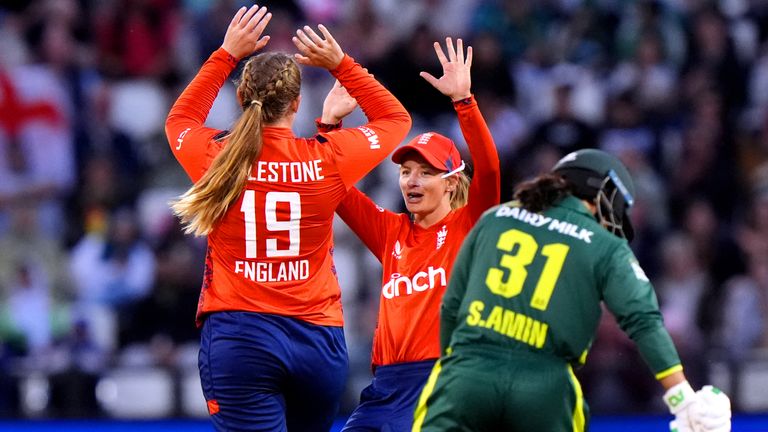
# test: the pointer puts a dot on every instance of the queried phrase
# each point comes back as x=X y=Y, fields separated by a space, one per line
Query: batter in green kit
x=524 y=301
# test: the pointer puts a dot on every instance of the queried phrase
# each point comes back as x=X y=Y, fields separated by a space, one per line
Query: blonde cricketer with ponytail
x=272 y=354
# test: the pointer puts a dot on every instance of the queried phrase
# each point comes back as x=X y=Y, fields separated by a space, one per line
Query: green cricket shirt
x=535 y=281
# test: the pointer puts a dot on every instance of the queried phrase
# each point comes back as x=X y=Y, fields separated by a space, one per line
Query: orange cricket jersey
x=417 y=261
x=272 y=251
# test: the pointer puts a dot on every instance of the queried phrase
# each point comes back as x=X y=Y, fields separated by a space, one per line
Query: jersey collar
x=437 y=225
x=277 y=132
x=574 y=204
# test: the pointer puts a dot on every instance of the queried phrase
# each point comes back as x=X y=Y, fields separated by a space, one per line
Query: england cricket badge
x=441 y=237
x=397 y=252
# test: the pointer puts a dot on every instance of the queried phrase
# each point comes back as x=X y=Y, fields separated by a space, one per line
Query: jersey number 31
x=291 y=225
x=517 y=266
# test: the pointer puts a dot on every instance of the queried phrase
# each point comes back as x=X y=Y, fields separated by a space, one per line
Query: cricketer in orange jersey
x=270 y=252
x=417 y=251
x=272 y=354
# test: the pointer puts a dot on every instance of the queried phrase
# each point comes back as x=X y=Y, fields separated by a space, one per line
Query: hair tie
x=254 y=102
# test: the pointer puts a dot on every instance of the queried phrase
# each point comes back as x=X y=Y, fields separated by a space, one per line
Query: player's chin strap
x=457 y=170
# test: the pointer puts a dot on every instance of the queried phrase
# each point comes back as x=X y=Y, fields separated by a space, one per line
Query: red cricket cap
x=437 y=149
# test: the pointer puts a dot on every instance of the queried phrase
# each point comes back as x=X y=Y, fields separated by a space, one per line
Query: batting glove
x=680 y=398
x=712 y=412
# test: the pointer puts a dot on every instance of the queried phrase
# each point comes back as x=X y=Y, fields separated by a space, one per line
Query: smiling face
x=427 y=195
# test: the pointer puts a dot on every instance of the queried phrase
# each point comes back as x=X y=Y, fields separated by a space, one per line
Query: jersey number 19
x=291 y=225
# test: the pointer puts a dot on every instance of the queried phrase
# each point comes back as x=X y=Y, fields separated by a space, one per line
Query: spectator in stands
x=111 y=272
x=135 y=37
x=563 y=130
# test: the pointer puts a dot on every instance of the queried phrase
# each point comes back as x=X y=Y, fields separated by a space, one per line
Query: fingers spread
x=300 y=45
x=248 y=15
x=308 y=43
x=262 y=42
x=460 y=50
x=449 y=47
x=262 y=24
x=326 y=34
x=440 y=54
x=255 y=19
x=238 y=16
x=469 y=57
x=302 y=59
x=312 y=35
x=429 y=77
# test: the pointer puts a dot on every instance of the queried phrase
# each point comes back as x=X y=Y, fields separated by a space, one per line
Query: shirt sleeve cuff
x=346 y=63
x=222 y=54
x=325 y=127
x=463 y=103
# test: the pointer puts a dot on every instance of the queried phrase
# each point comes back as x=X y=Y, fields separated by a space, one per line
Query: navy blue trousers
x=388 y=403
x=264 y=372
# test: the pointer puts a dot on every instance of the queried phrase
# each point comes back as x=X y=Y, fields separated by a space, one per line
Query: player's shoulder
x=320 y=145
x=500 y=210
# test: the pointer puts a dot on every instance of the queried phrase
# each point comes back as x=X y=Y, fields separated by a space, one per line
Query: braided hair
x=268 y=85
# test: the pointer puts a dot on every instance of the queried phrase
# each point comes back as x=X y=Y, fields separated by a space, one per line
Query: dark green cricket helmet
x=601 y=178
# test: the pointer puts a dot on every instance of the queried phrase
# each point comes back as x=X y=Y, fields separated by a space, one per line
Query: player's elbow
x=402 y=123
x=407 y=121
x=176 y=126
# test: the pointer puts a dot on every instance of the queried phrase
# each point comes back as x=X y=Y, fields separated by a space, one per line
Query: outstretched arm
x=456 y=83
x=190 y=141
x=485 y=189
x=367 y=220
x=360 y=149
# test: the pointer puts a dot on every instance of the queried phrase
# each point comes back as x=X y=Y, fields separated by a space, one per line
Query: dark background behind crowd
x=98 y=286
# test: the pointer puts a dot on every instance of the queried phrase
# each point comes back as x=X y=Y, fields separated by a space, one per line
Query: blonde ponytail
x=208 y=199
x=269 y=83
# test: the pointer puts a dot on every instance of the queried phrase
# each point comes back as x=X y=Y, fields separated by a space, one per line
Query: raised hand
x=456 y=81
x=243 y=35
x=318 y=51
x=337 y=105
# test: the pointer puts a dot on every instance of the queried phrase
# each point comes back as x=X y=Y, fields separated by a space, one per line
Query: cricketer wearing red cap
x=438 y=150
x=417 y=250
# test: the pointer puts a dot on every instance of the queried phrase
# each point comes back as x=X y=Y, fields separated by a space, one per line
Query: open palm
x=243 y=35
x=456 y=80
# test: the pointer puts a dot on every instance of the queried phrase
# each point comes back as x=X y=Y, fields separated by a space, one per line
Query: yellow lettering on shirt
x=508 y=323
x=475 y=308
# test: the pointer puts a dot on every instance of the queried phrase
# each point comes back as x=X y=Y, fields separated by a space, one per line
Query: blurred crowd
x=95 y=273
